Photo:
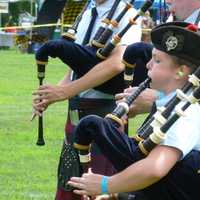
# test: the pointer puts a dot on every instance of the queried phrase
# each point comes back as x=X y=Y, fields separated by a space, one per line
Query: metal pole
x=36 y=9
x=31 y=7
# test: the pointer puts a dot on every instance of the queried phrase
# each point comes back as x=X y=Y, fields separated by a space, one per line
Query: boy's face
x=162 y=70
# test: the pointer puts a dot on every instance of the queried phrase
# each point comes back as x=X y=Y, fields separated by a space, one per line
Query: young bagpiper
x=166 y=164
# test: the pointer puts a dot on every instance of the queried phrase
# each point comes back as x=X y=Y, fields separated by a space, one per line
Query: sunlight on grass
x=26 y=170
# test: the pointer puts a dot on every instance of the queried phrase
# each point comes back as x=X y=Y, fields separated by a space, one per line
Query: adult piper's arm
x=66 y=79
x=99 y=74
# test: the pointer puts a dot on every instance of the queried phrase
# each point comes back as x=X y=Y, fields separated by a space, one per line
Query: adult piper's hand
x=143 y=102
x=89 y=184
x=48 y=94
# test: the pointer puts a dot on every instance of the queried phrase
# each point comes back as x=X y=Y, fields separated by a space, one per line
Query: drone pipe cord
x=104 y=52
x=106 y=32
x=164 y=112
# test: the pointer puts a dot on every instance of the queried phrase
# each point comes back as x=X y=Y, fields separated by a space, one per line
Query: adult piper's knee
x=53 y=48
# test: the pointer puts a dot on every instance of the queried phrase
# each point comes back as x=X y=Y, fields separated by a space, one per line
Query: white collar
x=163 y=99
x=104 y=7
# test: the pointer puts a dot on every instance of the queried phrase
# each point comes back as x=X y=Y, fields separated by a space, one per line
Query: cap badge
x=171 y=43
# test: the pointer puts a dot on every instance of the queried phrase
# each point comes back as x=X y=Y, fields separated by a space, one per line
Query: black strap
x=90 y=27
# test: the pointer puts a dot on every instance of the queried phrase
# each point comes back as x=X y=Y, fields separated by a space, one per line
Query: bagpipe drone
x=61 y=49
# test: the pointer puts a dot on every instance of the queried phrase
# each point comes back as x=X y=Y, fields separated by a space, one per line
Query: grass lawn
x=26 y=170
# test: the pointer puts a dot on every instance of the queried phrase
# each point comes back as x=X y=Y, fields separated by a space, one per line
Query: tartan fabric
x=71 y=11
x=63 y=195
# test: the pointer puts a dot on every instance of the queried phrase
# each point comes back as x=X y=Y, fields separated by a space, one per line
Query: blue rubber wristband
x=104 y=185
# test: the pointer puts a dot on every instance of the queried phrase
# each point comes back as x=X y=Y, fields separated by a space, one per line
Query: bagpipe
x=159 y=123
x=60 y=48
x=188 y=95
x=88 y=56
x=133 y=55
x=153 y=131
x=104 y=52
x=71 y=166
x=106 y=30
x=71 y=32
x=69 y=35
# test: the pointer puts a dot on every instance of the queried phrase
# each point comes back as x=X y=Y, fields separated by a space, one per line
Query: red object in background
x=10 y=30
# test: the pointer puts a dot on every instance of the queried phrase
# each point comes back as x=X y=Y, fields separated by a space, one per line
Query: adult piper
x=90 y=101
